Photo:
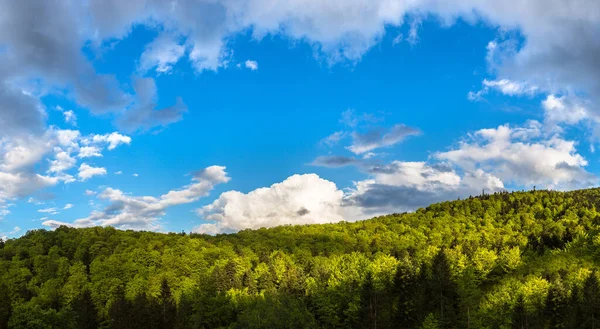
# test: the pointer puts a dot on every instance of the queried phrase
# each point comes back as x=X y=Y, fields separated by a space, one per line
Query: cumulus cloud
x=144 y=115
x=21 y=156
x=89 y=151
x=300 y=199
x=20 y=184
x=86 y=171
x=70 y=117
x=113 y=140
x=506 y=87
x=162 y=53
x=564 y=109
x=378 y=138
x=143 y=212
x=522 y=156
x=68 y=206
x=251 y=65
x=63 y=161
x=405 y=186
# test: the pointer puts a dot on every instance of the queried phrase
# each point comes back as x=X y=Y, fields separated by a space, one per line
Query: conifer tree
x=86 y=314
x=167 y=306
x=119 y=311
x=443 y=291
x=557 y=306
x=591 y=301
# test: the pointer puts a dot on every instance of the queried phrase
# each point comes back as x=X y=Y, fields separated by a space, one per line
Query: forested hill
x=509 y=260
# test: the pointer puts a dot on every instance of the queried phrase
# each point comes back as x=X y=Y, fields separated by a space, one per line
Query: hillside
x=521 y=260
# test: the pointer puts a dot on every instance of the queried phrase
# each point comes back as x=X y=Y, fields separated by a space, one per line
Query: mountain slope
x=522 y=259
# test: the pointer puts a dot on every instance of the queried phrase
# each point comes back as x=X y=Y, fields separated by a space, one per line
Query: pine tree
x=469 y=294
x=5 y=306
x=141 y=314
x=119 y=311
x=591 y=301
x=167 y=305
x=443 y=290
x=406 y=286
x=519 y=314
x=86 y=314
x=574 y=308
x=369 y=304
x=557 y=306
x=185 y=312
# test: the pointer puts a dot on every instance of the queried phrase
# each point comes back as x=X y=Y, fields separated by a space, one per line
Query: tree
x=5 y=306
x=86 y=315
x=591 y=301
x=469 y=293
x=368 y=304
x=185 y=313
x=406 y=290
x=443 y=291
x=167 y=305
x=519 y=314
x=119 y=311
x=557 y=306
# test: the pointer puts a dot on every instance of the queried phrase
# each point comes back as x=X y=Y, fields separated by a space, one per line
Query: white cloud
x=564 y=109
x=251 y=65
x=51 y=210
x=118 y=172
x=66 y=137
x=68 y=206
x=405 y=186
x=89 y=192
x=522 y=156
x=162 y=53
x=135 y=175
x=21 y=184
x=70 y=117
x=3 y=210
x=300 y=199
x=19 y=154
x=504 y=86
x=378 y=138
x=143 y=212
x=511 y=88
x=89 y=151
x=86 y=171
x=113 y=139
x=62 y=162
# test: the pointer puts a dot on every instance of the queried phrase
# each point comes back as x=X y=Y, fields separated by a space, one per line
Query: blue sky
x=216 y=117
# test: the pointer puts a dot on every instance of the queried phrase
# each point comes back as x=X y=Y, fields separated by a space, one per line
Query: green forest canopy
x=507 y=260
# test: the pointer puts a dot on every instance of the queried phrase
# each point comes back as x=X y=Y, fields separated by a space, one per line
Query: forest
x=505 y=260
